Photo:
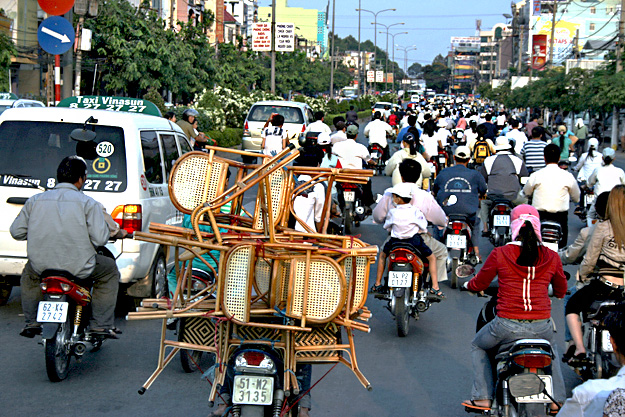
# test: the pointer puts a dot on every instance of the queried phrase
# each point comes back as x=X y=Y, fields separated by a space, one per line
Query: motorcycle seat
x=599 y=309
x=458 y=217
x=406 y=246
x=59 y=273
x=511 y=348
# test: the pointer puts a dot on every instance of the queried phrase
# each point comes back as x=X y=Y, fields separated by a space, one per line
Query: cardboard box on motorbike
x=128 y=165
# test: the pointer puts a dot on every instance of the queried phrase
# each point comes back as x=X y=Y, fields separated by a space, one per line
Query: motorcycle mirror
x=524 y=385
x=464 y=271
x=450 y=201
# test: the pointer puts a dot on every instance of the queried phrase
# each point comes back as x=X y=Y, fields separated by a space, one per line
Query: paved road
x=426 y=374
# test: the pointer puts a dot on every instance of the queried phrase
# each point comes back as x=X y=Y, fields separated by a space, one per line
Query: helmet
x=323 y=138
x=593 y=142
x=188 y=113
x=409 y=137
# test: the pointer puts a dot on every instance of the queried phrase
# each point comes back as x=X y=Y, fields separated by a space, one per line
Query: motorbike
x=457 y=237
x=522 y=370
x=551 y=234
x=499 y=222
x=64 y=331
x=352 y=209
x=589 y=199
x=377 y=152
x=408 y=286
x=600 y=361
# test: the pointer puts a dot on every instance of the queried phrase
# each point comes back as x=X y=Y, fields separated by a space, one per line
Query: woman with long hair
x=605 y=256
x=524 y=268
x=409 y=150
x=429 y=139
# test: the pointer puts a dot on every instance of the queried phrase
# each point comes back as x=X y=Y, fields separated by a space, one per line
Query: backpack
x=481 y=151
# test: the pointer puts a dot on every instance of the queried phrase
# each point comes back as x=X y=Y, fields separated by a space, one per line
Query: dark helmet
x=188 y=113
x=409 y=137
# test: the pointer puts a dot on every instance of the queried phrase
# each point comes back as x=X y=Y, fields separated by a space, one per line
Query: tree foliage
x=7 y=50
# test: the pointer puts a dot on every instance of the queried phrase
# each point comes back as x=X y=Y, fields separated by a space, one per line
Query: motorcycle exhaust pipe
x=422 y=303
x=278 y=400
x=360 y=210
x=80 y=348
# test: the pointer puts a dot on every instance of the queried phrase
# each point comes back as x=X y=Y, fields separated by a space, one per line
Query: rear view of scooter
x=499 y=221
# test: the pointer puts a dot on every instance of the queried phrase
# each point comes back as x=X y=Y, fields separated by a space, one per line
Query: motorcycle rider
x=552 y=189
x=63 y=227
x=502 y=172
x=318 y=125
x=186 y=124
x=533 y=152
x=377 y=131
x=410 y=171
x=515 y=265
x=607 y=176
x=467 y=185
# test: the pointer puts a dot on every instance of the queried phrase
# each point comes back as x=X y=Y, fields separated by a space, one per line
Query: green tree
x=7 y=50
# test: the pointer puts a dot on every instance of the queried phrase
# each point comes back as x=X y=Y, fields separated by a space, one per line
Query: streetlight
x=375 y=34
x=393 y=59
x=406 y=49
x=386 y=66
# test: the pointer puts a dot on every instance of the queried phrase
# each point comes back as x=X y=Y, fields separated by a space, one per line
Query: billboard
x=465 y=44
x=564 y=36
x=539 y=51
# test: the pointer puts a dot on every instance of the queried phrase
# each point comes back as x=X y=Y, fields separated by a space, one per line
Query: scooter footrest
x=479 y=412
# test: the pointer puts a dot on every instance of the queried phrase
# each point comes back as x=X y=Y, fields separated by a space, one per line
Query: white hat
x=593 y=142
x=502 y=143
x=462 y=152
x=323 y=138
x=402 y=189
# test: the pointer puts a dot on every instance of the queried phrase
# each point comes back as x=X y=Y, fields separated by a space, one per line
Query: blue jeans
x=501 y=331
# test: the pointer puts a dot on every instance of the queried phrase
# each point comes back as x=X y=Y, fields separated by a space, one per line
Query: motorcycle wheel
x=348 y=222
x=454 y=275
x=599 y=368
x=402 y=315
x=531 y=410
x=499 y=240
x=190 y=360
x=58 y=353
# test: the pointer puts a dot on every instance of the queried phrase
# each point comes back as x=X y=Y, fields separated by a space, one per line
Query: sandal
x=438 y=294
x=471 y=407
x=104 y=333
x=578 y=361
x=554 y=412
x=377 y=289
x=568 y=354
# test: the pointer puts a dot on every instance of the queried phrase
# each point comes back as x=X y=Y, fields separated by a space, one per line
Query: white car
x=128 y=166
x=18 y=103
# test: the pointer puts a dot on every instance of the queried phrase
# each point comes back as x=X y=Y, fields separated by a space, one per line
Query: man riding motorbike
x=377 y=131
x=63 y=227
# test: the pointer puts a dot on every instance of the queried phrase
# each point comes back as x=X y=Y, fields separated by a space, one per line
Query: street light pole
x=406 y=49
x=375 y=33
x=332 y=52
x=386 y=51
x=393 y=60
x=359 y=55
x=273 y=47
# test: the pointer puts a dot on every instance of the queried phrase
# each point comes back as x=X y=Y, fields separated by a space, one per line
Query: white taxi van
x=128 y=166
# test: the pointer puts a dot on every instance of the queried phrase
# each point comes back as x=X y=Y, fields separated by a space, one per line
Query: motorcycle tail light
x=501 y=208
x=255 y=361
x=456 y=227
x=392 y=256
x=410 y=256
x=54 y=287
x=129 y=217
x=254 y=358
x=532 y=360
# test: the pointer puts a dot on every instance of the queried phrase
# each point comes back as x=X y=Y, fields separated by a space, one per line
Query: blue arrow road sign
x=56 y=35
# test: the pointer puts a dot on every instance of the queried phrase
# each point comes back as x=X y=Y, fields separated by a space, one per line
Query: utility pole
x=273 y=46
x=520 y=63
x=360 y=83
x=619 y=68
x=332 y=52
x=171 y=13
x=553 y=32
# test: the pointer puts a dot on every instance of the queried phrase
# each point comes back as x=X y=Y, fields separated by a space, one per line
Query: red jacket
x=523 y=291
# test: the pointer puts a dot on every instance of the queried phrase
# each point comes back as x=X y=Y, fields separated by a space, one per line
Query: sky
x=430 y=24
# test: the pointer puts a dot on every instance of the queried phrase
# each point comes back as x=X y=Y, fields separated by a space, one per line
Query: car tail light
x=532 y=360
x=129 y=217
x=246 y=129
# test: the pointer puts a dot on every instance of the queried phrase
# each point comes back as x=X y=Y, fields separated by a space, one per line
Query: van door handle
x=17 y=200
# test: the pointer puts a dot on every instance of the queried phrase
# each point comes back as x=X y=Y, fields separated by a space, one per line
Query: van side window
x=310 y=116
x=184 y=145
x=170 y=151
x=152 y=157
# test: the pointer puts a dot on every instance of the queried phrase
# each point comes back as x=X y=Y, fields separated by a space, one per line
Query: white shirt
x=501 y=120
x=405 y=221
x=318 y=126
x=587 y=165
x=338 y=136
x=552 y=188
x=376 y=131
x=309 y=208
x=605 y=178
x=469 y=135
x=589 y=398
x=351 y=153
x=430 y=143
x=442 y=135
x=519 y=139
x=421 y=199
x=273 y=136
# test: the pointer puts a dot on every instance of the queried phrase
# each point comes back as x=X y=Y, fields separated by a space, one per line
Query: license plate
x=52 y=311
x=551 y=245
x=349 y=196
x=589 y=199
x=442 y=159
x=432 y=167
x=501 y=220
x=456 y=241
x=375 y=155
x=399 y=279
x=606 y=344
x=256 y=390
x=540 y=398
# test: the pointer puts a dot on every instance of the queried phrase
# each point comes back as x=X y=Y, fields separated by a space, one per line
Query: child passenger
x=274 y=136
x=405 y=222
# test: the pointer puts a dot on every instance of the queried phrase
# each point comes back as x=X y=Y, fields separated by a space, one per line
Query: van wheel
x=5 y=292
x=159 y=276
x=248 y=159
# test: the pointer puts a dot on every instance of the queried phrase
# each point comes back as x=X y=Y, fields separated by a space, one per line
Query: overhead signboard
x=564 y=36
x=56 y=35
x=56 y=7
x=370 y=76
x=467 y=44
x=285 y=37
x=123 y=104
x=261 y=37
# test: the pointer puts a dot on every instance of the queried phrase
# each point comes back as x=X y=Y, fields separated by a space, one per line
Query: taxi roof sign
x=124 y=104
x=8 y=96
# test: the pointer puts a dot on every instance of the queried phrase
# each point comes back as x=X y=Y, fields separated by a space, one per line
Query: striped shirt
x=533 y=153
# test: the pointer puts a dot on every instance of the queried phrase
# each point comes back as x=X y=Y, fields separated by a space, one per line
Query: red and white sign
x=370 y=76
x=261 y=37
x=144 y=182
x=539 y=51
x=56 y=7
